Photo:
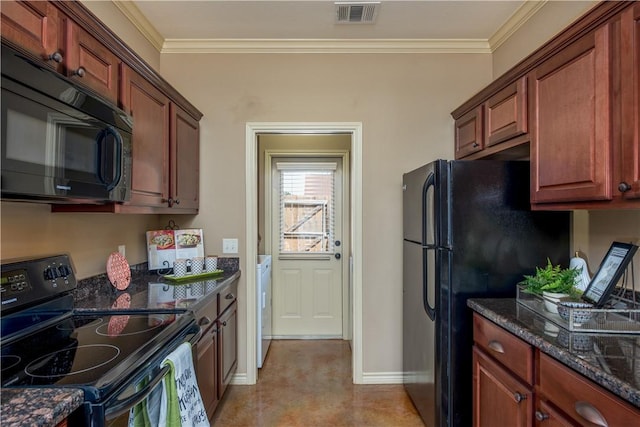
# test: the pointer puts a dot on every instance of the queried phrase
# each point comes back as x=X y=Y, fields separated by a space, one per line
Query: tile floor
x=308 y=383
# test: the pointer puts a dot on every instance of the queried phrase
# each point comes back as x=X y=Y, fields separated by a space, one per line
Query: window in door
x=307 y=207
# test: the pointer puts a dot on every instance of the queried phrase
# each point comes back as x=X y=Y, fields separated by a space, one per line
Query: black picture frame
x=613 y=265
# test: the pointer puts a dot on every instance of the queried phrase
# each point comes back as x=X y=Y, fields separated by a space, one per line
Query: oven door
x=145 y=386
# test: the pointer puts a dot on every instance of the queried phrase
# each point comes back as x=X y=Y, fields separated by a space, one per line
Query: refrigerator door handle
x=427 y=246
x=431 y=311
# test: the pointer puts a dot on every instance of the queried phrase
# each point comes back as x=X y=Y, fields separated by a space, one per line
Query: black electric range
x=109 y=354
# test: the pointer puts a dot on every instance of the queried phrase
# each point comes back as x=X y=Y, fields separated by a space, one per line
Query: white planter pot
x=551 y=300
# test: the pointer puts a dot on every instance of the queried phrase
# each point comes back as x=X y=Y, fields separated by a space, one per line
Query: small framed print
x=609 y=273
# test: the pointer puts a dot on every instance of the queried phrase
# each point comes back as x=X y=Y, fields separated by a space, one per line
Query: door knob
x=338 y=256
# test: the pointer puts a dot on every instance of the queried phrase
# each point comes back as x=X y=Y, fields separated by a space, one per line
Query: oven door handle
x=126 y=405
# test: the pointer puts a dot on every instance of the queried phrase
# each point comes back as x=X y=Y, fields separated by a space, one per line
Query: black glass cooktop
x=95 y=350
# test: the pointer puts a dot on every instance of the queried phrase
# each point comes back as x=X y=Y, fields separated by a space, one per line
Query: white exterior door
x=306 y=242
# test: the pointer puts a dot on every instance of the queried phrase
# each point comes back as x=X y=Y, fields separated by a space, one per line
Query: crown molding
x=515 y=21
x=146 y=28
x=136 y=17
x=325 y=46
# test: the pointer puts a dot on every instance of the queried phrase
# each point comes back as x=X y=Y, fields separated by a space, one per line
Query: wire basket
x=621 y=315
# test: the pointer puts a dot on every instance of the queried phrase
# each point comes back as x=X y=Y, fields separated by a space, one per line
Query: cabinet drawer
x=515 y=354
x=581 y=399
x=227 y=296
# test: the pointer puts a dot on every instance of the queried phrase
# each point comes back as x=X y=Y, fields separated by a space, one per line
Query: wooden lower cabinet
x=556 y=395
x=217 y=349
x=228 y=349
x=499 y=398
x=207 y=369
x=578 y=399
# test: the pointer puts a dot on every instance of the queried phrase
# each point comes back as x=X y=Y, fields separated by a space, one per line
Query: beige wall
x=404 y=103
x=552 y=18
x=30 y=229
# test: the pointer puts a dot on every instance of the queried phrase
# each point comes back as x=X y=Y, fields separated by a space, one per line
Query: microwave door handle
x=100 y=141
x=126 y=405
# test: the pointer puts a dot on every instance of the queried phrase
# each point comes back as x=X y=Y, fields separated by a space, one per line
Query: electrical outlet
x=123 y=250
x=230 y=246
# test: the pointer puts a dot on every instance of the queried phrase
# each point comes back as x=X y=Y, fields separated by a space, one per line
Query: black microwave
x=60 y=142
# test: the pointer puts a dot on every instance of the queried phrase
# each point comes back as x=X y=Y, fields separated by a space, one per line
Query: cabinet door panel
x=100 y=65
x=150 y=111
x=185 y=159
x=630 y=94
x=506 y=113
x=468 y=136
x=228 y=355
x=34 y=25
x=499 y=399
x=207 y=369
x=571 y=122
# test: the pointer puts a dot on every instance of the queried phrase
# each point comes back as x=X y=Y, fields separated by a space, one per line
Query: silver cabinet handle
x=496 y=346
x=55 y=57
x=623 y=187
x=590 y=413
x=519 y=397
x=204 y=321
x=229 y=296
x=541 y=416
x=80 y=72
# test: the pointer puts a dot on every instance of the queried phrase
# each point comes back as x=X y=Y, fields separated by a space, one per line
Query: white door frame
x=251 y=227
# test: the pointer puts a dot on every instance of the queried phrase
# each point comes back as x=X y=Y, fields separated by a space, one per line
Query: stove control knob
x=64 y=270
x=50 y=273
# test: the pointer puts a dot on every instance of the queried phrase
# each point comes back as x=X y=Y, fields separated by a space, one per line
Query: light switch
x=230 y=246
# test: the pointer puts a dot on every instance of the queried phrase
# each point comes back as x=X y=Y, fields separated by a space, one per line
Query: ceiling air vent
x=356 y=12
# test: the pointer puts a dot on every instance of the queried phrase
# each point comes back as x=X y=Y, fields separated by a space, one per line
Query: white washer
x=263 y=292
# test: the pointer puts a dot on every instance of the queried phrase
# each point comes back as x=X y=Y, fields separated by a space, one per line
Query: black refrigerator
x=468 y=232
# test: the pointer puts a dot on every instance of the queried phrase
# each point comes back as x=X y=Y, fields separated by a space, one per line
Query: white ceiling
x=174 y=24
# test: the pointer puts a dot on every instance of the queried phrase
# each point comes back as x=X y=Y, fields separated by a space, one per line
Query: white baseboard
x=382 y=378
x=239 y=379
x=367 y=377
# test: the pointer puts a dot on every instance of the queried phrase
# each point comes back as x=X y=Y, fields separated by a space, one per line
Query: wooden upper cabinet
x=185 y=160
x=36 y=27
x=629 y=182
x=469 y=133
x=90 y=62
x=498 y=124
x=505 y=114
x=150 y=111
x=571 y=122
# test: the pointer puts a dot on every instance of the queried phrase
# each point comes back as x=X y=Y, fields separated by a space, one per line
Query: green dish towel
x=184 y=403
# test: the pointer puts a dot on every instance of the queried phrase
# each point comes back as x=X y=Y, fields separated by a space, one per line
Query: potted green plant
x=552 y=282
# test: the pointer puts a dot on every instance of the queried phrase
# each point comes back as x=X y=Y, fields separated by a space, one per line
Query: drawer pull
x=591 y=414
x=204 y=321
x=229 y=296
x=541 y=416
x=519 y=397
x=496 y=346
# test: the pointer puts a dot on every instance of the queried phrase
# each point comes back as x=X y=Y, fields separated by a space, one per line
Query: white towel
x=184 y=402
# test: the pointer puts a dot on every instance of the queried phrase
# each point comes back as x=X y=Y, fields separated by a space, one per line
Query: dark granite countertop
x=38 y=406
x=610 y=360
x=152 y=291
x=147 y=291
